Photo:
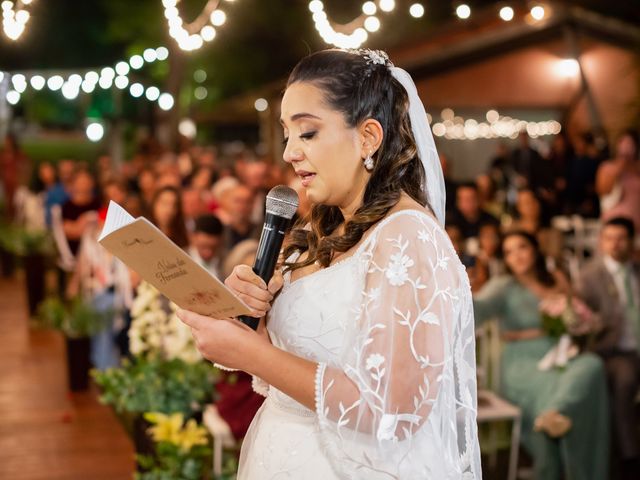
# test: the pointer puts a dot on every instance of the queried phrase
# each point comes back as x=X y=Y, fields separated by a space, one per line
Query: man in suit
x=610 y=285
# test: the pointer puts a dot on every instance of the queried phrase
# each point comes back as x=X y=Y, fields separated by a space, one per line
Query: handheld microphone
x=281 y=205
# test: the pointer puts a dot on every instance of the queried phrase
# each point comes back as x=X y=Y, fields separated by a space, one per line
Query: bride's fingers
x=192 y=319
x=276 y=282
x=249 y=288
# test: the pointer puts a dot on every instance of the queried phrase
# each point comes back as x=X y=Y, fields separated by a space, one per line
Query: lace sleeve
x=397 y=386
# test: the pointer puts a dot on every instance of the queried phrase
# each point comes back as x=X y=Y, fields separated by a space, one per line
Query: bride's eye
x=308 y=135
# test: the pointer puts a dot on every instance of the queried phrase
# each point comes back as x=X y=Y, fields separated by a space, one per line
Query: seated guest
x=610 y=285
x=489 y=257
x=206 y=243
x=531 y=218
x=565 y=421
x=468 y=214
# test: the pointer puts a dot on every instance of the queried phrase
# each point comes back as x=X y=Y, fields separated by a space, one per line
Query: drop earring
x=368 y=163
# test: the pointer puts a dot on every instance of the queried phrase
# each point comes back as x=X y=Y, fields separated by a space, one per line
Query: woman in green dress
x=565 y=420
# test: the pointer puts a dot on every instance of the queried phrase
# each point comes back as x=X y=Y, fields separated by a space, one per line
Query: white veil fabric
x=426 y=146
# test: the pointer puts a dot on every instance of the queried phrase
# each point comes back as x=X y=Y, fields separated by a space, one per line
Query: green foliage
x=76 y=318
x=22 y=242
x=147 y=385
x=171 y=463
x=553 y=325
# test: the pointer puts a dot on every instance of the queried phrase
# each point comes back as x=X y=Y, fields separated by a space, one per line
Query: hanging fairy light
x=463 y=11
x=360 y=27
x=105 y=78
x=15 y=17
x=454 y=127
x=191 y=36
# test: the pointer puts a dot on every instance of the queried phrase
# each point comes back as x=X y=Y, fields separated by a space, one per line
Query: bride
x=366 y=346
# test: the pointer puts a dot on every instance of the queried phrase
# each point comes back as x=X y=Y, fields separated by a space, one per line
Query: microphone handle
x=273 y=232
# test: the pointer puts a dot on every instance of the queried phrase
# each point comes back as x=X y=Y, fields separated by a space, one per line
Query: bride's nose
x=292 y=154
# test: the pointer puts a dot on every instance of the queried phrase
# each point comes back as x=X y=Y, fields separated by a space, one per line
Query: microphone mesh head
x=282 y=201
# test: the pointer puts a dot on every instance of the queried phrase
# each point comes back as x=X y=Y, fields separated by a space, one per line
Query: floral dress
x=391 y=329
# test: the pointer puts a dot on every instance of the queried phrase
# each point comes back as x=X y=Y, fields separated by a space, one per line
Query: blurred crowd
x=564 y=223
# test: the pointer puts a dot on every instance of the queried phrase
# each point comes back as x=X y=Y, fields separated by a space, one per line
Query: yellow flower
x=166 y=427
x=192 y=435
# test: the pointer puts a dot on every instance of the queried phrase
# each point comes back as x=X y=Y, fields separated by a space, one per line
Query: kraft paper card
x=159 y=261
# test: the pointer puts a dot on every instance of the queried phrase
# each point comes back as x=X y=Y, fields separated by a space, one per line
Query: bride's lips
x=306 y=177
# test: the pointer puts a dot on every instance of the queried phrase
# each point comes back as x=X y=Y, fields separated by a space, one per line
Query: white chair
x=221 y=433
x=492 y=407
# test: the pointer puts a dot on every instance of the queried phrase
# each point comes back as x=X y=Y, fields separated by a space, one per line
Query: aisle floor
x=46 y=432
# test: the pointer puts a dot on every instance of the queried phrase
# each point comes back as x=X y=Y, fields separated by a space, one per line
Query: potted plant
x=33 y=246
x=78 y=321
x=181 y=449
x=166 y=373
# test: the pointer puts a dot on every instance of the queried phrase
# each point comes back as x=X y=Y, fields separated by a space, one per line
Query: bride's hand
x=227 y=342
x=252 y=290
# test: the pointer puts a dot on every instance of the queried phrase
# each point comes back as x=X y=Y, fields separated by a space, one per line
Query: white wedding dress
x=392 y=330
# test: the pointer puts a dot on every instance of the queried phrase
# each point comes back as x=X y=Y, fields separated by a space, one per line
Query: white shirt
x=627 y=340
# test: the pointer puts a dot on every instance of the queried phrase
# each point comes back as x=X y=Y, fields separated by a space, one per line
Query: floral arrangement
x=562 y=314
x=157 y=333
x=75 y=319
x=564 y=317
x=153 y=385
x=181 y=449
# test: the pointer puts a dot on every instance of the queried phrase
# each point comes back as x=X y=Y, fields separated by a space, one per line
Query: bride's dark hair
x=359 y=90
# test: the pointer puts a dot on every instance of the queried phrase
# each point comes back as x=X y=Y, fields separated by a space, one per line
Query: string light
x=537 y=12
x=15 y=20
x=191 y=36
x=463 y=11
x=506 y=14
x=88 y=81
x=359 y=26
x=454 y=127
x=416 y=10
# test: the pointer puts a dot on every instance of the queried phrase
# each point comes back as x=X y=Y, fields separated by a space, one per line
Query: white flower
x=374 y=361
x=424 y=236
x=396 y=272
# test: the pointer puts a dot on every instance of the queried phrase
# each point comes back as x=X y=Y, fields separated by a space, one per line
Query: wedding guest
x=236 y=207
x=564 y=410
x=582 y=198
x=618 y=181
x=468 y=214
x=531 y=218
x=610 y=284
x=489 y=255
x=166 y=214
x=81 y=208
x=207 y=242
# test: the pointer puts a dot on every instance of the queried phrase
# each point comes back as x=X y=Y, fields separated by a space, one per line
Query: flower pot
x=7 y=263
x=34 y=267
x=78 y=363
x=142 y=442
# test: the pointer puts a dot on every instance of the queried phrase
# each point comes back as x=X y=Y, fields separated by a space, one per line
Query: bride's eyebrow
x=300 y=115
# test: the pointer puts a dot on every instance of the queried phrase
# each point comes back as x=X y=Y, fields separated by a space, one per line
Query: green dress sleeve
x=489 y=302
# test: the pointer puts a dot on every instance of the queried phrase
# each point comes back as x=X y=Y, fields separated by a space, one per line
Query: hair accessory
x=375 y=57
